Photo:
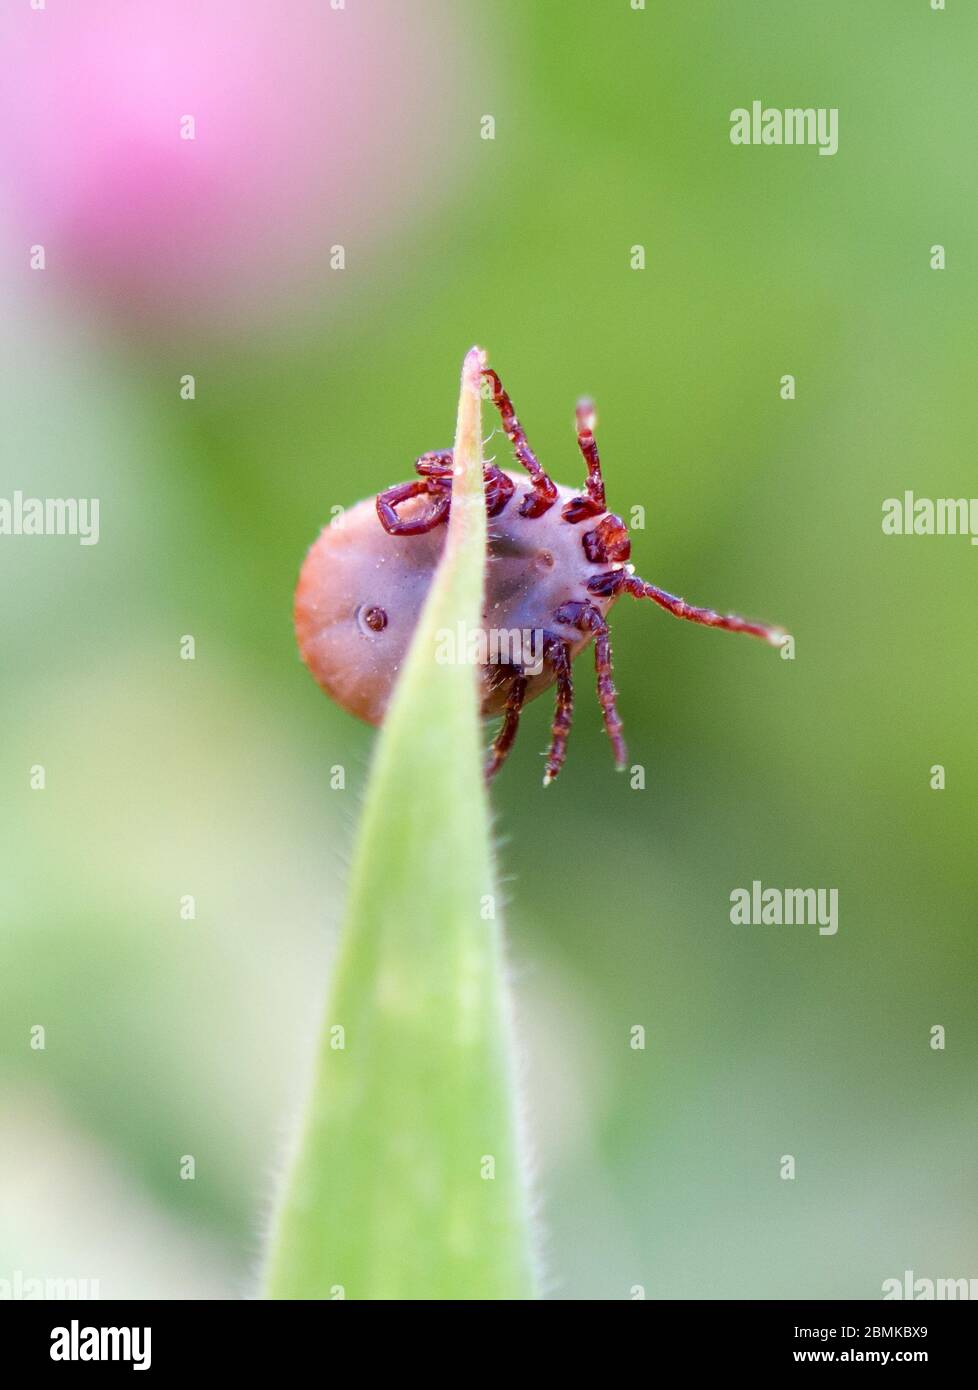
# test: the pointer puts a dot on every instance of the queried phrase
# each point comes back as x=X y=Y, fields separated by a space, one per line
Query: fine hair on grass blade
x=408 y=1183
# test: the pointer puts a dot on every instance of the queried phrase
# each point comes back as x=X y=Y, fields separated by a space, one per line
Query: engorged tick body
x=557 y=561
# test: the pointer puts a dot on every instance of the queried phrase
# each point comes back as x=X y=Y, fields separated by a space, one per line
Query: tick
x=558 y=559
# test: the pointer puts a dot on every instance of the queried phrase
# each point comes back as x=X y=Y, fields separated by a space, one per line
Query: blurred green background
x=314 y=388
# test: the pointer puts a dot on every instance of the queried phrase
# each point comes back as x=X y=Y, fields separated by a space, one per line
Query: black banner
x=170 y=1338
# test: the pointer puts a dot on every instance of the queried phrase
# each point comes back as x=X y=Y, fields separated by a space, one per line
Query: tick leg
x=439 y=463
x=499 y=489
x=586 y=618
x=503 y=741
x=589 y=449
x=593 y=503
x=679 y=608
x=389 y=501
x=543 y=493
x=607 y=695
x=559 y=656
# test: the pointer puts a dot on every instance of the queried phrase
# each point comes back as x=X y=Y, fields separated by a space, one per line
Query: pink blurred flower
x=314 y=126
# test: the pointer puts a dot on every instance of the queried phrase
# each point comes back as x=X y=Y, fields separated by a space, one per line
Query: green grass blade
x=408 y=1181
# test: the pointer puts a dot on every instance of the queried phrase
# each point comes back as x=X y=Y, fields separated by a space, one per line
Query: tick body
x=557 y=562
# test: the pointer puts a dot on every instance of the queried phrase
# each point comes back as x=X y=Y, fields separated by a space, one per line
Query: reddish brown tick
x=558 y=560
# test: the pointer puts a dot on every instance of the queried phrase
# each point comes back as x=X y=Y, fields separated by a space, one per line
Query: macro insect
x=558 y=559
